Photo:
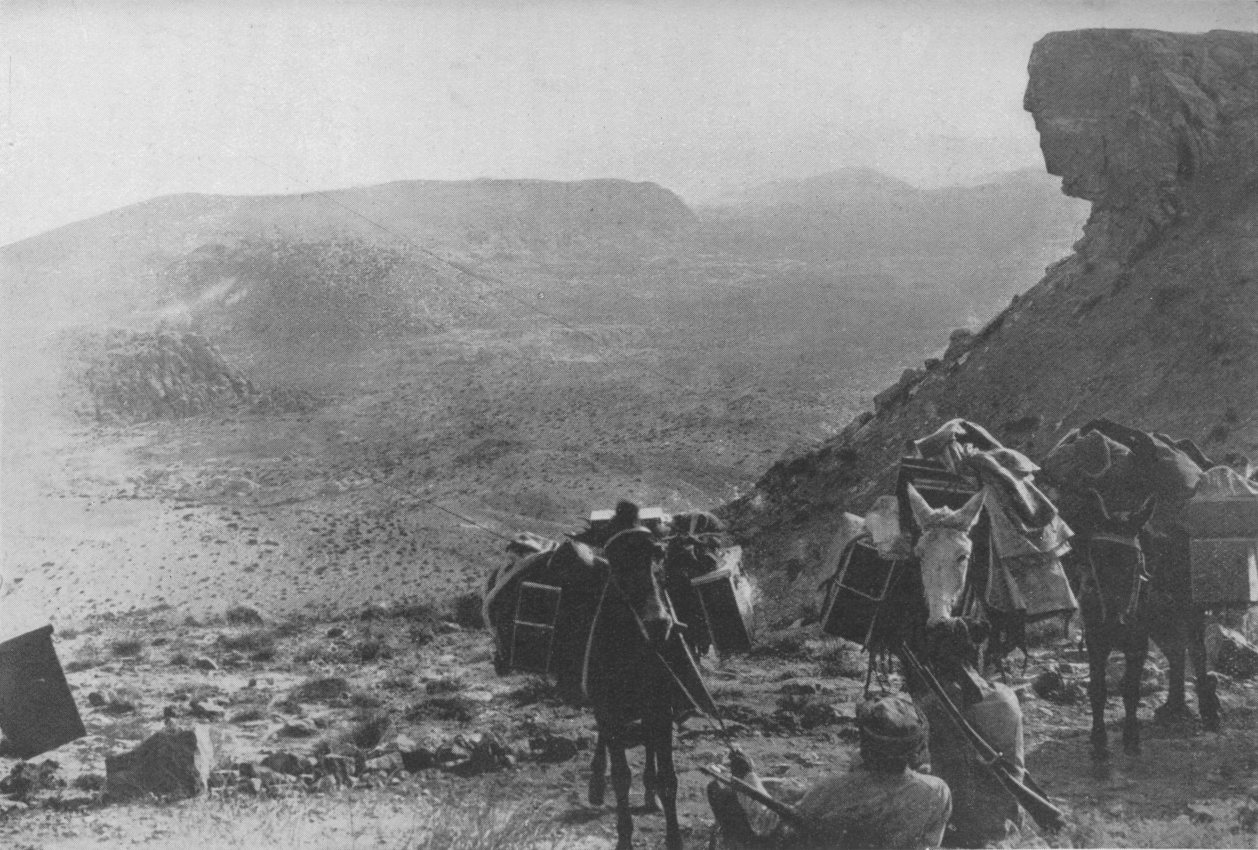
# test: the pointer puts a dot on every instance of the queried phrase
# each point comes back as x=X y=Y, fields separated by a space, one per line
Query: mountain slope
x=1152 y=321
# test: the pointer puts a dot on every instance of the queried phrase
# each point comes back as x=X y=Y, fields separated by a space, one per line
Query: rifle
x=782 y=810
x=1025 y=790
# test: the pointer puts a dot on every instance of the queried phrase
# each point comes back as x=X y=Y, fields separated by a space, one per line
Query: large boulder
x=171 y=763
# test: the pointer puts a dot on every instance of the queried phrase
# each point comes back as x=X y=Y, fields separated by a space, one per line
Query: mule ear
x=921 y=508
x=968 y=513
x=1141 y=517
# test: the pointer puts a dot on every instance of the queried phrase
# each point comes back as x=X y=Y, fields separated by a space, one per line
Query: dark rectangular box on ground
x=726 y=600
x=37 y=711
x=857 y=593
x=1224 y=570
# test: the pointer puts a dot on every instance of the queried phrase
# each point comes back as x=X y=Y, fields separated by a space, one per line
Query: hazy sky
x=108 y=103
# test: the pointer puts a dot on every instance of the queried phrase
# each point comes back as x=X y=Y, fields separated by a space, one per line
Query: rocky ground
x=387 y=726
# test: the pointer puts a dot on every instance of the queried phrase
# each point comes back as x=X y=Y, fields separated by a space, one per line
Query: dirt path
x=791 y=712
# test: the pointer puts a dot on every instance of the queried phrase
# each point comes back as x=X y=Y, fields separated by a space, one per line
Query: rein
x=1139 y=574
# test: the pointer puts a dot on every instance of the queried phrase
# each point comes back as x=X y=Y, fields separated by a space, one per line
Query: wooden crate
x=1221 y=518
x=1224 y=570
x=726 y=601
x=857 y=593
x=533 y=633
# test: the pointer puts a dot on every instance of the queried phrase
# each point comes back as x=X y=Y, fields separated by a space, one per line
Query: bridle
x=1139 y=573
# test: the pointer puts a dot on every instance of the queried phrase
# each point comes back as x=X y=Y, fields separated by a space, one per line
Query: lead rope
x=715 y=721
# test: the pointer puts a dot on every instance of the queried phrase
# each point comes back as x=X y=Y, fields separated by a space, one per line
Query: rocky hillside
x=123 y=377
x=1153 y=320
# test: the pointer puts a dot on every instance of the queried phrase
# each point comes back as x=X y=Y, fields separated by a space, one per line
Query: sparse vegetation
x=450 y=707
x=128 y=647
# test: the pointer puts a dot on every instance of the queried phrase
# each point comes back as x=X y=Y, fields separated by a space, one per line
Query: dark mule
x=1116 y=614
x=626 y=677
x=1127 y=467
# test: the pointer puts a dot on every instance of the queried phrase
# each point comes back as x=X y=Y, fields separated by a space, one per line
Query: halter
x=1139 y=575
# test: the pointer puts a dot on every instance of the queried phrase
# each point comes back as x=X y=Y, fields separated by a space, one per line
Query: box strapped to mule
x=1222 y=524
x=855 y=597
x=533 y=633
x=725 y=596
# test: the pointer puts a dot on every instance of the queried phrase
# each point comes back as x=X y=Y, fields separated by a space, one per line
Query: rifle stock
x=782 y=810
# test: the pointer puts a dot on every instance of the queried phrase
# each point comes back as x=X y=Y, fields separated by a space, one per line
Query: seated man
x=880 y=803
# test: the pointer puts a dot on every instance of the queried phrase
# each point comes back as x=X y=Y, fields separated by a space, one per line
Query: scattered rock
x=387 y=763
x=285 y=762
x=1230 y=653
x=1054 y=687
x=26 y=778
x=553 y=749
x=299 y=728
x=207 y=710
x=172 y=762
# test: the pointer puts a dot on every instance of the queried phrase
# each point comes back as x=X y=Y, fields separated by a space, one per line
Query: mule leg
x=1207 y=692
x=597 y=791
x=1098 y=655
x=1136 y=651
x=621 y=779
x=662 y=741
x=650 y=781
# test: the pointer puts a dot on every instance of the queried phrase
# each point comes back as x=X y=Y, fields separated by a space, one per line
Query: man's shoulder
x=928 y=782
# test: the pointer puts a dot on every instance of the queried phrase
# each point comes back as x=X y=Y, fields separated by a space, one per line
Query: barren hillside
x=1153 y=320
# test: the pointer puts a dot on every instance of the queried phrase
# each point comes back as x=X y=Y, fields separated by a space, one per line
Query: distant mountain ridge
x=977 y=244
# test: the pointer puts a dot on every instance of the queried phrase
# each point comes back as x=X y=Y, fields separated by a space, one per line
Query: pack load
x=1019 y=540
x=1222 y=523
x=541 y=605
x=1213 y=506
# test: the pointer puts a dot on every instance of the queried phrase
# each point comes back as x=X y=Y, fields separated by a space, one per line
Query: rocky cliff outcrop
x=1152 y=321
x=1131 y=119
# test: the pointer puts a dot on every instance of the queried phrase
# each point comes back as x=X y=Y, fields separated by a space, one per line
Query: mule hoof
x=1100 y=755
x=649 y=804
x=1132 y=748
x=673 y=842
x=1212 y=723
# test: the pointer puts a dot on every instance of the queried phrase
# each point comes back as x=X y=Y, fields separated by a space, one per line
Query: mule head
x=944 y=551
x=1097 y=519
x=635 y=560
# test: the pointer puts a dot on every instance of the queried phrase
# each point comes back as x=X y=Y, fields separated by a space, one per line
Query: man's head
x=892 y=732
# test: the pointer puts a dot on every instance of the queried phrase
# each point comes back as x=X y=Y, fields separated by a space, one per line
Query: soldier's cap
x=891 y=721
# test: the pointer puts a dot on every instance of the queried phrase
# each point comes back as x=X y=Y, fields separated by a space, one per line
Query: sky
x=111 y=102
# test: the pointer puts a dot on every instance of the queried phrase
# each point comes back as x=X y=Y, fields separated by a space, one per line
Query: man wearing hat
x=882 y=802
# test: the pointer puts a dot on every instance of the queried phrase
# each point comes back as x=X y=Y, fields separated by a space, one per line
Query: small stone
x=203 y=662
x=286 y=763
x=208 y=710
